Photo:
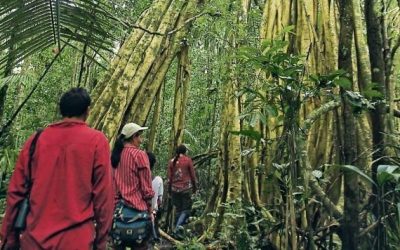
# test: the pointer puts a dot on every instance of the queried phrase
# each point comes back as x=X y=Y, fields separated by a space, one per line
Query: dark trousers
x=183 y=204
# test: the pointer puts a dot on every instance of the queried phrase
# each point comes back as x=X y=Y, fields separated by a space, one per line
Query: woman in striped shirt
x=132 y=175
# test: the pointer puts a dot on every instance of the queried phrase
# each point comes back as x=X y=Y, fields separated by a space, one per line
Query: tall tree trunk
x=316 y=37
x=375 y=44
x=229 y=188
x=155 y=119
x=350 y=224
x=363 y=80
x=181 y=97
x=230 y=150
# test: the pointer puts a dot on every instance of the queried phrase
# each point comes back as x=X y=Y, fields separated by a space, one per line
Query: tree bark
x=181 y=97
x=137 y=72
x=155 y=119
x=350 y=233
x=375 y=44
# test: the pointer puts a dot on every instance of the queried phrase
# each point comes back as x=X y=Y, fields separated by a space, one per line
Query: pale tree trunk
x=316 y=26
x=230 y=160
x=250 y=163
x=234 y=182
x=316 y=37
x=230 y=175
x=276 y=15
x=155 y=119
x=363 y=79
x=181 y=98
x=213 y=51
x=128 y=89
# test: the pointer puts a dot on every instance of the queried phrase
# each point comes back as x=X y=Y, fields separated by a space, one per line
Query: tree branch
x=168 y=237
x=191 y=20
x=145 y=30
x=375 y=224
x=312 y=182
x=318 y=113
x=168 y=33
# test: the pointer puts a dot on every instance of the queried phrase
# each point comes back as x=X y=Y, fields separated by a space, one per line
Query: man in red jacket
x=71 y=199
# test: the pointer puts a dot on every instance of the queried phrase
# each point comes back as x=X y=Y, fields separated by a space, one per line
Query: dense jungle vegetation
x=290 y=108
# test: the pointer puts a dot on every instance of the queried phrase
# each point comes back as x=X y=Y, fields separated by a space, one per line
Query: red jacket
x=182 y=176
x=72 y=188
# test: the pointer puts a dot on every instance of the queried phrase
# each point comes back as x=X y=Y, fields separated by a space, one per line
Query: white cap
x=131 y=128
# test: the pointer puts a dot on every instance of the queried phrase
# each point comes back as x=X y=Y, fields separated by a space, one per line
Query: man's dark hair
x=74 y=102
x=152 y=159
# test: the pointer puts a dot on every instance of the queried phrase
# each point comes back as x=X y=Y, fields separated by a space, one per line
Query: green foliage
x=31 y=26
x=359 y=172
x=128 y=11
x=358 y=102
x=274 y=84
x=8 y=157
x=339 y=78
x=373 y=92
x=251 y=133
x=191 y=244
x=239 y=228
x=387 y=173
x=280 y=90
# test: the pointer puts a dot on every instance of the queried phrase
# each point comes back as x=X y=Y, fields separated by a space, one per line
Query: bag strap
x=31 y=153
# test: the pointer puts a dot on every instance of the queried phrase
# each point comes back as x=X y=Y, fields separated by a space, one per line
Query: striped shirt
x=132 y=178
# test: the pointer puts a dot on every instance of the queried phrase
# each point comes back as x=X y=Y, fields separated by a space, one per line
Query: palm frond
x=29 y=26
x=16 y=80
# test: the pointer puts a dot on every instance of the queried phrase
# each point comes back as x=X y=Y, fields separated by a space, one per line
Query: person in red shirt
x=132 y=175
x=182 y=182
x=71 y=199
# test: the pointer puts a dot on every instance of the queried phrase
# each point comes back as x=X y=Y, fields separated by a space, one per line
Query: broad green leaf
x=317 y=174
x=387 y=168
x=386 y=173
x=384 y=177
x=359 y=172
